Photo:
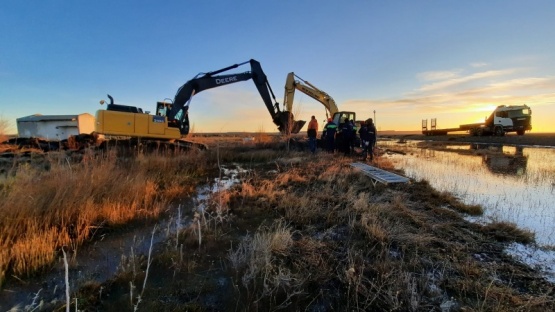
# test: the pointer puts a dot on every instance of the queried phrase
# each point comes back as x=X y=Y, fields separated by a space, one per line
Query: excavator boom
x=179 y=111
x=171 y=120
x=309 y=89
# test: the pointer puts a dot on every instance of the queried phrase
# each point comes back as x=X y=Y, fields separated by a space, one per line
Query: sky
x=406 y=60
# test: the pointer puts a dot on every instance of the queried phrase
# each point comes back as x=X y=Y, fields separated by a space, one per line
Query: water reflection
x=514 y=184
x=501 y=162
x=498 y=158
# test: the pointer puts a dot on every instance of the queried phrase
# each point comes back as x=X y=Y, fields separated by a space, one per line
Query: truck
x=504 y=119
x=170 y=122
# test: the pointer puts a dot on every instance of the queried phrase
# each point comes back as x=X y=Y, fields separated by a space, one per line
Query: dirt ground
x=541 y=139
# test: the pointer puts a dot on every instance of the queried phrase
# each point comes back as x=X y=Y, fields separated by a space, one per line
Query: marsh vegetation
x=295 y=232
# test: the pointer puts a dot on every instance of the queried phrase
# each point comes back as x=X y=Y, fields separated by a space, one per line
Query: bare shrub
x=289 y=176
x=372 y=227
x=257 y=263
x=299 y=208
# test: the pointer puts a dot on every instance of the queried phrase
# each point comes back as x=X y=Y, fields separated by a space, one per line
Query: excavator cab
x=162 y=108
x=340 y=117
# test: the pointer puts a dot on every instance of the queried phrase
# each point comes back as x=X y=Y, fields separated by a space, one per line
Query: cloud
x=438 y=75
x=456 y=97
x=478 y=64
x=537 y=91
x=526 y=82
x=452 y=97
x=457 y=81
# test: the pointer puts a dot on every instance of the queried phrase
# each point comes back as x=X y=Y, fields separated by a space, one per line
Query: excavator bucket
x=297 y=126
x=286 y=123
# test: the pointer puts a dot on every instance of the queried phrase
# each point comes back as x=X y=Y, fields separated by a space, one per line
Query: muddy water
x=101 y=259
x=512 y=183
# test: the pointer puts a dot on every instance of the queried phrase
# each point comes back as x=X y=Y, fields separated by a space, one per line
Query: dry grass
x=258 y=261
x=310 y=233
x=41 y=211
x=508 y=232
x=389 y=248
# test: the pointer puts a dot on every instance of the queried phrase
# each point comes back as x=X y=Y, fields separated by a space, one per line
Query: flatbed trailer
x=434 y=131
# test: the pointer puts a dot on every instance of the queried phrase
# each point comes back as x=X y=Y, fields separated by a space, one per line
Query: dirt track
x=542 y=139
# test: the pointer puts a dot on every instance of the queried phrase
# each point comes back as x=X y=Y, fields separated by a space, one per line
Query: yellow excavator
x=171 y=119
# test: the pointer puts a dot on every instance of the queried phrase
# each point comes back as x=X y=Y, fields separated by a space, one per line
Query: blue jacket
x=347 y=129
x=330 y=129
x=372 y=132
x=364 y=134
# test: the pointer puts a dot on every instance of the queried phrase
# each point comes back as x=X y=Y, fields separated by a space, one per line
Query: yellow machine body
x=134 y=125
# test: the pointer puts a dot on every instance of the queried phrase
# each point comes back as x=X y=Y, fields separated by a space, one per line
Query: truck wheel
x=499 y=131
x=520 y=132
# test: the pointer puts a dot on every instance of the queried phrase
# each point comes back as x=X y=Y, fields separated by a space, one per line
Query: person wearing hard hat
x=329 y=134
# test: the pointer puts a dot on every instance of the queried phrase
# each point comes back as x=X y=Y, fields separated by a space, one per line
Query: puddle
x=537 y=258
x=513 y=183
x=100 y=260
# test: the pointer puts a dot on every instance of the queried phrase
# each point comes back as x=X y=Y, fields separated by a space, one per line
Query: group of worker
x=344 y=136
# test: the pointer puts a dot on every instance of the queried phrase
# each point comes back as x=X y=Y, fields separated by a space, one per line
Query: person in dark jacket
x=373 y=137
x=346 y=135
x=364 y=139
x=312 y=132
x=329 y=135
x=353 y=135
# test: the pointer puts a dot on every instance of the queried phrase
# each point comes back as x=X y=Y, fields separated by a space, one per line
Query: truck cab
x=515 y=118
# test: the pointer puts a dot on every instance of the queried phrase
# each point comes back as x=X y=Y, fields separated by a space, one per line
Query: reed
x=310 y=233
x=43 y=210
x=391 y=248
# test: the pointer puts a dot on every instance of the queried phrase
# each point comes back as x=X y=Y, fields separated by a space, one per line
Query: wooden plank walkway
x=380 y=175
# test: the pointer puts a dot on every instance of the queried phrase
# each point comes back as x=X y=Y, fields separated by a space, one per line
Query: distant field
x=534 y=138
x=543 y=139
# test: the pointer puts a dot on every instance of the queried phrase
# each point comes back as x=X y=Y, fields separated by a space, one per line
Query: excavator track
x=150 y=145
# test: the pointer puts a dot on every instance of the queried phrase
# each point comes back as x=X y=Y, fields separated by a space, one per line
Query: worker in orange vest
x=312 y=131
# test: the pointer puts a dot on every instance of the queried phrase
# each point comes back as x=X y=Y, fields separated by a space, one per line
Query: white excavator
x=332 y=111
x=294 y=82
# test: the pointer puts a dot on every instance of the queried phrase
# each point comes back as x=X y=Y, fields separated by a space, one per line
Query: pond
x=512 y=183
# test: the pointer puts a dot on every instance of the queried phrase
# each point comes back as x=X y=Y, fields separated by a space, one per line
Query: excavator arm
x=179 y=112
x=307 y=88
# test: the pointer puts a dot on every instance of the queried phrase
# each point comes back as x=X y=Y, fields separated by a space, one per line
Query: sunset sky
x=407 y=60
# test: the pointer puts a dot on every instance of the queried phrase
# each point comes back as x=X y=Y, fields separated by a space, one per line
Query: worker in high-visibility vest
x=330 y=129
